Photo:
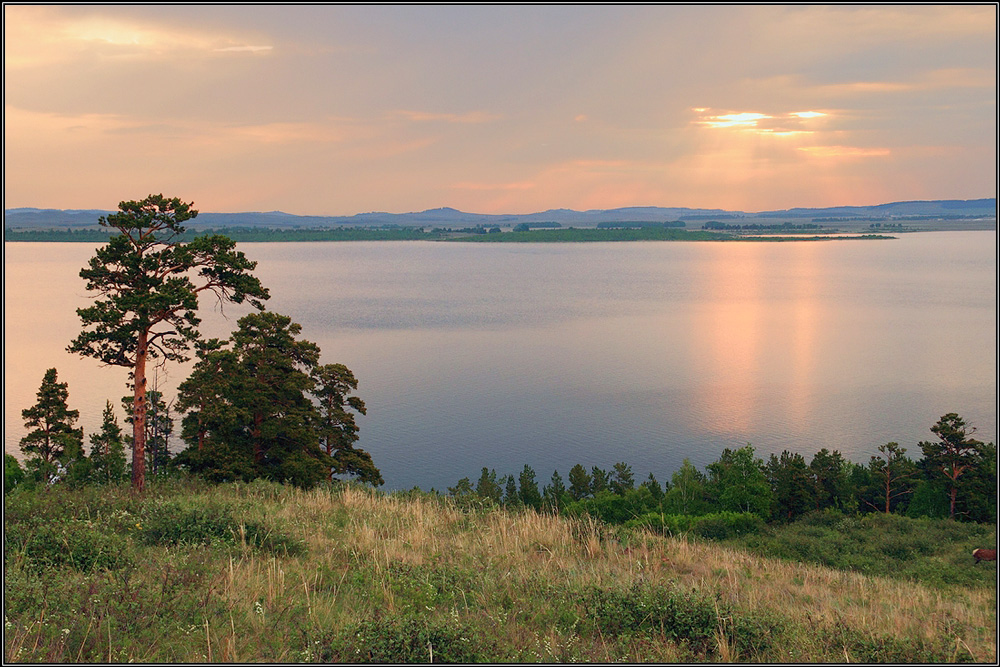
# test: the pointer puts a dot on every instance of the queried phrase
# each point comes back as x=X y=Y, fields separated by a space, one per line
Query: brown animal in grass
x=984 y=554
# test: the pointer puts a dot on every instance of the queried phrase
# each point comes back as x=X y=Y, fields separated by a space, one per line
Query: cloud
x=780 y=124
x=471 y=117
x=930 y=80
x=844 y=151
x=244 y=49
x=523 y=185
x=37 y=36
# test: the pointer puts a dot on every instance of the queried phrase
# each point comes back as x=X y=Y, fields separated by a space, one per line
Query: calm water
x=475 y=355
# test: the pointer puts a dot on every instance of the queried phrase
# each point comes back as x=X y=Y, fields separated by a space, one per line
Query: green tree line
x=955 y=478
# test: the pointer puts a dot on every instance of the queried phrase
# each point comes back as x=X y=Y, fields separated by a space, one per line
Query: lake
x=497 y=355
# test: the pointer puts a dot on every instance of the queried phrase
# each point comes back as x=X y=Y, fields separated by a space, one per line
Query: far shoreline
x=566 y=235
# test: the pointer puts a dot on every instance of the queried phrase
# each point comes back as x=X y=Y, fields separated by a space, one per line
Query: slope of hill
x=261 y=572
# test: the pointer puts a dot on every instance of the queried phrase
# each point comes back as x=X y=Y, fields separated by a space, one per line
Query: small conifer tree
x=52 y=441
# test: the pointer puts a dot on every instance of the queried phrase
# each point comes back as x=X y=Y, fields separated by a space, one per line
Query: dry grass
x=370 y=555
x=516 y=549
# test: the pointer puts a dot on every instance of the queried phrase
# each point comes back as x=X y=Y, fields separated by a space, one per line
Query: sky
x=337 y=110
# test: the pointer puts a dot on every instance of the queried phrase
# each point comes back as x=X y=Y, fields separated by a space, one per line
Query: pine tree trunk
x=139 y=415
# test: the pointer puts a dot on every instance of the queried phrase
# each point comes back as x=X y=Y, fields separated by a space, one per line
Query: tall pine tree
x=149 y=282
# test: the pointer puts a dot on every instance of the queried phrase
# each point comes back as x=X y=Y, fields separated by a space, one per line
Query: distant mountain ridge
x=34 y=218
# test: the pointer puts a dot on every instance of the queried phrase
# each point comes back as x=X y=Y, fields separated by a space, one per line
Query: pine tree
x=462 y=489
x=510 y=496
x=579 y=482
x=149 y=282
x=107 y=449
x=338 y=429
x=488 y=488
x=250 y=413
x=654 y=487
x=894 y=475
x=792 y=485
x=622 y=479
x=829 y=478
x=52 y=441
x=528 y=488
x=159 y=427
x=954 y=454
x=600 y=480
x=552 y=494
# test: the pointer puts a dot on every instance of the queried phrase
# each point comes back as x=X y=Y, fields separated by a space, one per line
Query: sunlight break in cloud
x=786 y=124
x=735 y=120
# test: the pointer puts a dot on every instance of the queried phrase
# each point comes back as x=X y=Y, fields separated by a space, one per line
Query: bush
x=75 y=544
x=13 y=473
x=410 y=639
x=176 y=522
x=718 y=526
x=728 y=524
x=675 y=614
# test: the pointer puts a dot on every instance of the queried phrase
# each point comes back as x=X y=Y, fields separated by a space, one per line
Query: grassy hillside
x=263 y=572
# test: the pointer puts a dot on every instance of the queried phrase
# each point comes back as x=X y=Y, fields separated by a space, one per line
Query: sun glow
x=735 y=120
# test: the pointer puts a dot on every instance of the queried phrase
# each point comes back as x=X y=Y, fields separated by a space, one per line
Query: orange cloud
x=38 y=35
x=470 y=117
x=523 y=185
x=844 y=151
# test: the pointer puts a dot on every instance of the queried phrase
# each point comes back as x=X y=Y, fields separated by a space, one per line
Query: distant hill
x=35 y=218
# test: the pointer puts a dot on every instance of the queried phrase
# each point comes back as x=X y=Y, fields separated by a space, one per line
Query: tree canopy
x=955 y=452
x=250 y=410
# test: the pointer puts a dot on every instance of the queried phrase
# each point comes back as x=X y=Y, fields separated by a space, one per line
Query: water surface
x=472 y=355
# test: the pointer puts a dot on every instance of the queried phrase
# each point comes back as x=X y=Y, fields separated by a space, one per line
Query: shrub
x=13 y=473
x=176 y=522
x=677 y=615
x=410 y=639
x=717 y=526
x=75 y=544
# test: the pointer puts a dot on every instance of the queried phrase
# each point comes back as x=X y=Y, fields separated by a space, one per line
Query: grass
x=262 y=572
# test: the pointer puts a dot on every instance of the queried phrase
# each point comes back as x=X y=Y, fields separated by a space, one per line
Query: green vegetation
x=641 y=224
x=52 y=444
x=743 y=497
x=262 y=572
x=578 y=235
x=149 y=283
x=784 y=227
x=526 y=226
x=250 y=411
